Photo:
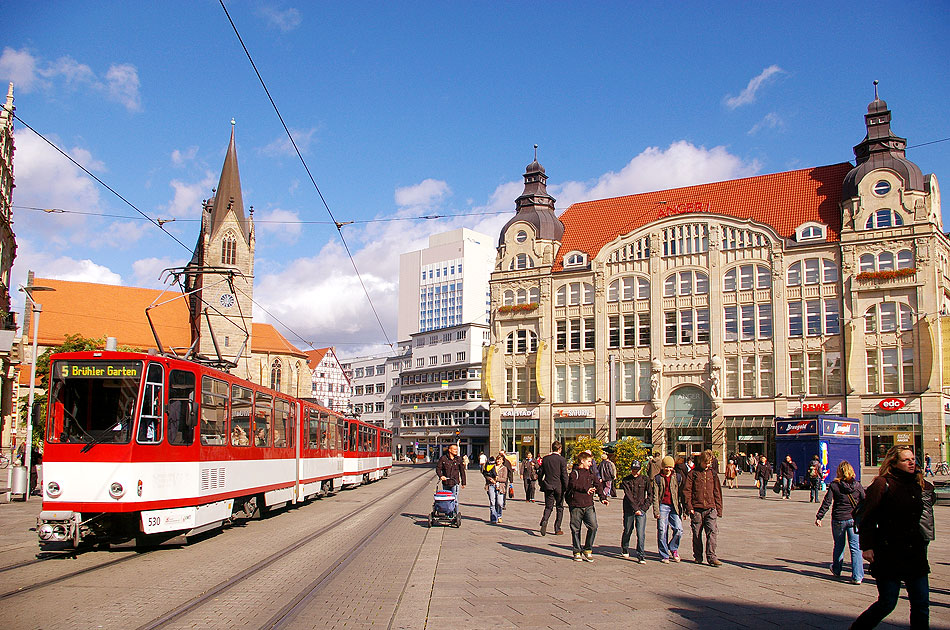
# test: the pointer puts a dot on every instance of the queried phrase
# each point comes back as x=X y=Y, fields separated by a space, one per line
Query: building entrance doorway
x=688 y=421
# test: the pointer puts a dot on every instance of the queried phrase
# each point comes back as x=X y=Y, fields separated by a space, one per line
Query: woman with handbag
x=496 y=484
x=895 y=525
x=843 y=495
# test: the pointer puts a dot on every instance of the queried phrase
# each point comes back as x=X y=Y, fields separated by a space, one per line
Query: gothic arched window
x=275 y=375
x=228 y=249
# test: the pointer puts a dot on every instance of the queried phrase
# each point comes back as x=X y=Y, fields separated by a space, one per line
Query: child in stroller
x=445 y=509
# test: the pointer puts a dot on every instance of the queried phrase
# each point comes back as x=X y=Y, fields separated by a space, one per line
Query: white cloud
x=283 y=224
x=748 y=94
x=770 y=121
x=426 y=193
x=27 y=71
x=179 y=157
x=47 y=264
x=19 y=66
x=188 y=197
x=681 y=164
x=286 y=20
x=282 y=146
x=147 y=271
x=122 y=84
x=116 y=235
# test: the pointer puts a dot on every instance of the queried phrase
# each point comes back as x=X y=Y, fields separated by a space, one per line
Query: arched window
x=521 y=297
x=534 y=295
x=574 y=293
x=866 y=263
x=522 y=342
x=275 y=375
x=521 y=261
x=228 y=249
x=508 y=298
x=746 y=278
x=888 y=317
x=884 y=218
x=575 y=259
x=885 y=261
x=686 y=283
x=628 y=288
x=812 y=271
x=905 y=259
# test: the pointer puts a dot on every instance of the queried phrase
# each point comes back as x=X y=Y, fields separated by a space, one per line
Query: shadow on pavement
x=822 y=575
x=543 y=551
x=746 y=614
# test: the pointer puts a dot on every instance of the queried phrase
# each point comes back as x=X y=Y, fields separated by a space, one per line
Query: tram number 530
x=154 y=521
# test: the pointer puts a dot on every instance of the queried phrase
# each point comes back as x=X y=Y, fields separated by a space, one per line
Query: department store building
x=692 y=318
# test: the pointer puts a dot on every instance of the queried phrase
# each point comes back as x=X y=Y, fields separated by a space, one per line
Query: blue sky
x=408 y=109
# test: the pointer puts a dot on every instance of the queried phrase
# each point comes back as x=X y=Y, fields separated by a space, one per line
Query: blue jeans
x=583 y=516
x=495 y=497
x=845 y=530
x=763 y=487
x=668 y=520
x=815 y=488
x=786 y=487
x=888 y=591
x=630 y=521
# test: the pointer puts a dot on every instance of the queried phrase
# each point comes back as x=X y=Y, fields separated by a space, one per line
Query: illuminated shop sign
x=688 y=207
x=815 y=407
x=891 y=404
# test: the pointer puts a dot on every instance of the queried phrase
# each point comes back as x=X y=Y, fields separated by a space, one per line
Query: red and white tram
x=148 y=447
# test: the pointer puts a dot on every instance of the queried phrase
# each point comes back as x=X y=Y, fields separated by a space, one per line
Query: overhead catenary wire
x=339 y=226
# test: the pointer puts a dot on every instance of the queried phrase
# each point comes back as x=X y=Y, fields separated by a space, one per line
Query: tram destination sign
x=99 y=369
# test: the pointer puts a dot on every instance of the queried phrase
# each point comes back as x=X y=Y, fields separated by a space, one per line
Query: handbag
x=777 y=487
x=511 y=491
x=758 y=483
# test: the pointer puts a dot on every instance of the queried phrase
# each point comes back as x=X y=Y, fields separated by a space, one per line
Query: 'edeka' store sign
x=796 y=427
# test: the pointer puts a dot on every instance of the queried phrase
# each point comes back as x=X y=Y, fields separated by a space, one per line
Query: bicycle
x=943 y=468
x=4 y=461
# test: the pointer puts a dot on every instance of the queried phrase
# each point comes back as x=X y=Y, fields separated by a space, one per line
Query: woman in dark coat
x=843 y=495
x=895 y=527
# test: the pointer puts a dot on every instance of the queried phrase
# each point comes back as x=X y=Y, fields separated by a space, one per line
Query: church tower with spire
x=221 y=272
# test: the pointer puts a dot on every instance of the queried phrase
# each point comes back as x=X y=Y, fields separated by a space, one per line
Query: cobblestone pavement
x=775 y=572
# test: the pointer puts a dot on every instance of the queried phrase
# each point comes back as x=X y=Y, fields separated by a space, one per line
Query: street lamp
x=28 y=445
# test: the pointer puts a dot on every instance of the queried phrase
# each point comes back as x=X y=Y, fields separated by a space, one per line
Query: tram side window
x=240 y=415
x=283 y=424
x=263 y=412
x=313 y=429
x=214 y=412
x=354 y=437
x=150 y=419
x=181 y=398
x=327 y=431
x=341 y=428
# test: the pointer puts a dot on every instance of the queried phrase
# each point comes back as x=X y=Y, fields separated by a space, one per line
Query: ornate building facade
x=8 y=357
x=692 y=318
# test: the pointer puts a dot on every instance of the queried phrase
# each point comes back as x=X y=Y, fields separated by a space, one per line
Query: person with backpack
x=786 y=475
x=668 y=508
x=895 y=527
x=581 y=485
x=637 y=498
x=814 y=478
x=843 y=496
x=763 y=472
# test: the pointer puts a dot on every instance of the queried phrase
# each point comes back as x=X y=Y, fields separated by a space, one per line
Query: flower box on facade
x=518 y=308
x=886 y=275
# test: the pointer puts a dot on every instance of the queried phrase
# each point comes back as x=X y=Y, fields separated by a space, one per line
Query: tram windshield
x=93 y=401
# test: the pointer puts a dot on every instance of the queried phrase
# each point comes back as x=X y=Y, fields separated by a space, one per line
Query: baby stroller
x=445 y=509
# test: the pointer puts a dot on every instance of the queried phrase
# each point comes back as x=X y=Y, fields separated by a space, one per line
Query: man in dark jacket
x=581 y=485
x=552 y=477
x=703 y=497
x=763 y=472
x=529 y=473
x=607 y=471
x=814 y=478
x=637 y=499
x=786 y=474
x=511 y=478
x=654 y=466
x=451 y=470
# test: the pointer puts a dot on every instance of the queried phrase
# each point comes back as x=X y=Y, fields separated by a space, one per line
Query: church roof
x=105 y=310
x=227 y=195
x=314 y=357
x=781 y=200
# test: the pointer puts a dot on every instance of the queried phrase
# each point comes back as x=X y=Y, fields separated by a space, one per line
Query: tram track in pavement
x=128 y=555
x=290 y=610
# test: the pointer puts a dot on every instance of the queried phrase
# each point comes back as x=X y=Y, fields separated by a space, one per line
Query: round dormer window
x=521 y=236
x=882 y=187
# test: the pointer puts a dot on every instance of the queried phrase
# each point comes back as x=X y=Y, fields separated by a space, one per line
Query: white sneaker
x=625 y=554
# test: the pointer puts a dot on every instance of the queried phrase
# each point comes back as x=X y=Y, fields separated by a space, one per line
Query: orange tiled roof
x=315 y=356
x=266 y=338
x=104 y=310
x=781 y=200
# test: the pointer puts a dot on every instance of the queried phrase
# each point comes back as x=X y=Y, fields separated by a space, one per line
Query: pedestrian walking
x=843 y=495
x=668 y=507
x=763 y=472
x=581 y=485
x=654 y=466
x=482 y=460
x=529 y=473
x=814 y=478
x=496 y=484
x=637 y=499
x=465 y=460
x=732 y=475
x=681 y=466
x=552 y=477
x=751 y=462
x=510 y=490
x=928 y=471
x=451 y=470
x=786 y=475
x=896 y=526
x=608 y=474
x=702 y=496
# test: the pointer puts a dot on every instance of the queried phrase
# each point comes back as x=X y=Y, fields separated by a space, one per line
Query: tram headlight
x=53 y=490
x=116 y=490
x=45 y=531
x=59 y=532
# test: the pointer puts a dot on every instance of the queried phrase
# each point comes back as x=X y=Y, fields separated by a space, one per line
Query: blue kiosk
x=832 y=438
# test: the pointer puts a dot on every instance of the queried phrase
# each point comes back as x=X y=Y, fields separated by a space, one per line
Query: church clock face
x=227 y=300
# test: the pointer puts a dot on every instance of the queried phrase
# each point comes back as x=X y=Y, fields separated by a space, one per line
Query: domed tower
x=222 y=271
x=533 y=236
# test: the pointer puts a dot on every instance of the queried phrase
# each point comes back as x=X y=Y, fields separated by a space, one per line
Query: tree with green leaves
x=577 y=447
x=627 y=451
